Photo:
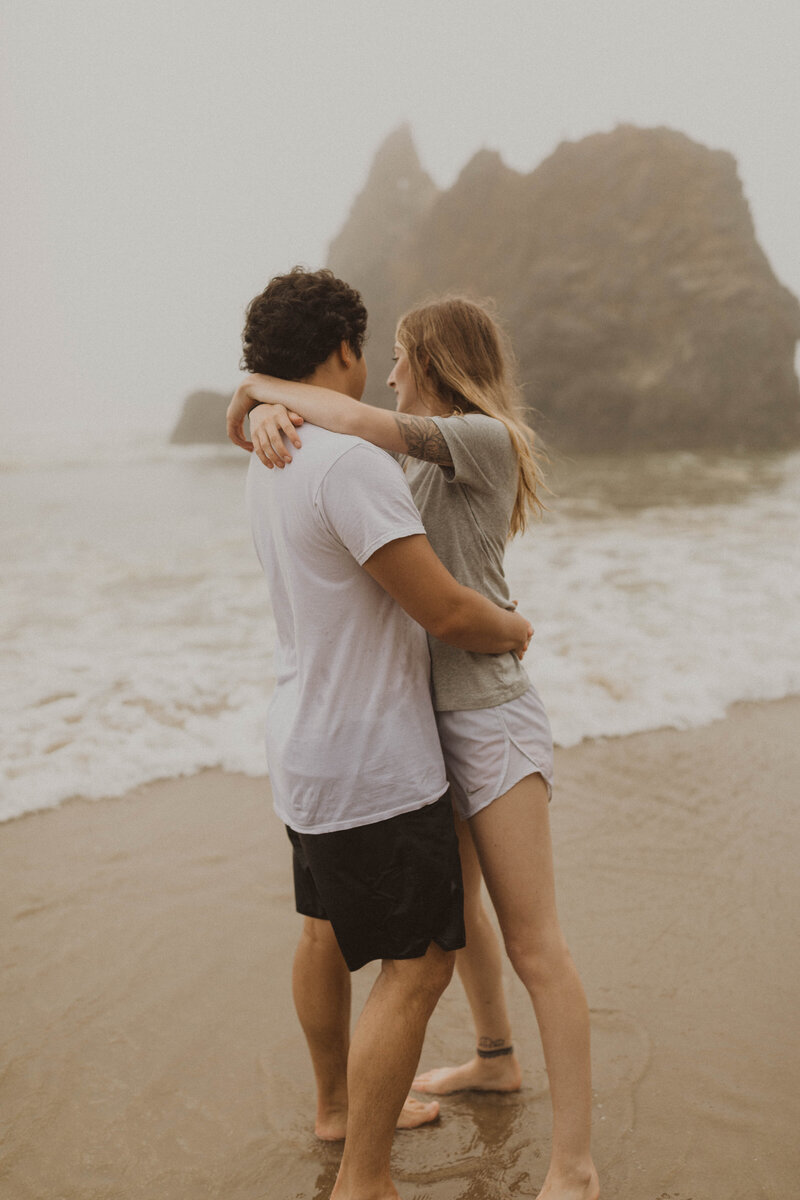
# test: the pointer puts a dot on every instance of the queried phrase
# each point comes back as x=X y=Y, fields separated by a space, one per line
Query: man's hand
x=521 y=651
x=268 y=422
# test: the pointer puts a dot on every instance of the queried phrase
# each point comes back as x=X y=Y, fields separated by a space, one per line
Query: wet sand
x=148 y=1045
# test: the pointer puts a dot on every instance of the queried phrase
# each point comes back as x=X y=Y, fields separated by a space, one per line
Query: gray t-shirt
x=466 y=511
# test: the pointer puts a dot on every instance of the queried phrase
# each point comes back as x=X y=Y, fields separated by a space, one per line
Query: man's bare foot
x=331 y=1123
x=330 y=1126
x=478 y=1075
x=584 y=1185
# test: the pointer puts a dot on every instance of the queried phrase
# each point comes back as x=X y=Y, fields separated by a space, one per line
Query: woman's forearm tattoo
x=423 y=439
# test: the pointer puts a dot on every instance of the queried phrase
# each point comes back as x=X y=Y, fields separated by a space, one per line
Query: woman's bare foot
x=417 y=1112
x=583 y=1185
x=330 y=1125
x=478 y=1075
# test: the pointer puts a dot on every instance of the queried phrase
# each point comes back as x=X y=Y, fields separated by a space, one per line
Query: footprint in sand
x=620 y=1050
x=621 y=1056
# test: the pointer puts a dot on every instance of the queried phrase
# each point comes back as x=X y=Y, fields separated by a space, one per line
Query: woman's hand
x=253 y=390
x=268 y=424
x=239 y=407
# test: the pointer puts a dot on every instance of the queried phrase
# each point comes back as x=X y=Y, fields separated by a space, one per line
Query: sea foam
x=136 y=639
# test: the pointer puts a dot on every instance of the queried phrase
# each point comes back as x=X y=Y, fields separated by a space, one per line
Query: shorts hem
x=449 y=945
x=304 y=912
x=474 y=809
x=547 y=776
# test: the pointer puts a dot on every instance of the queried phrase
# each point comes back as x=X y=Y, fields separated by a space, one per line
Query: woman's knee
x=541 y=961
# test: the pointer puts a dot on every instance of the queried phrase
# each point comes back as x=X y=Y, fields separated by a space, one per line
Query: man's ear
x=346 y=354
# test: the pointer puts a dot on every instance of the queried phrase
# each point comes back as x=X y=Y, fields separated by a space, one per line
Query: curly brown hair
x=298 y=321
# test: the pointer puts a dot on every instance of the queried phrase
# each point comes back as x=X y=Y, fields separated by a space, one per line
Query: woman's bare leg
x=479 y=966
x=512 y=839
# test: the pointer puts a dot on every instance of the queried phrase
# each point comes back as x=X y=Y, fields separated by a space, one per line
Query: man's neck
x=326 y=376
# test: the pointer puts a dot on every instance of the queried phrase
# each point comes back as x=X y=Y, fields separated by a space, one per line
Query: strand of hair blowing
x=457 y=349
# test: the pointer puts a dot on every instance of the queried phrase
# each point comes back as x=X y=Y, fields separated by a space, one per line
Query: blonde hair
x=457 y=350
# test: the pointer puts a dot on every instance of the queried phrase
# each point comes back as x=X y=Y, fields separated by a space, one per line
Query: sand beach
x=625 y=194
x=149 y=1047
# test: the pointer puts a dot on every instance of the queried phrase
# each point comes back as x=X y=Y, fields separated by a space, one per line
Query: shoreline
x=79 y=798
x=150 y=1044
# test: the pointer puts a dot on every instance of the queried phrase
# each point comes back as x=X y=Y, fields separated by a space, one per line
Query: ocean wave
x=137 y=636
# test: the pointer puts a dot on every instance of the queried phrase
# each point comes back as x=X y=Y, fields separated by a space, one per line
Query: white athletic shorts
x=488 y=750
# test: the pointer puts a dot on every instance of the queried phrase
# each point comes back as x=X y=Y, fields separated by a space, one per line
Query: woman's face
x=401 y=381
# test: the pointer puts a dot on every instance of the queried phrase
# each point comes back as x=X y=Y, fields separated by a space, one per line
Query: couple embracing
x=406 y=767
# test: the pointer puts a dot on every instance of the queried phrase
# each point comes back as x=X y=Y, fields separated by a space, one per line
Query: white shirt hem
x=358 y=822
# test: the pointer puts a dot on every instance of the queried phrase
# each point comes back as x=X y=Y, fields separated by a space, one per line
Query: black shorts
x=388 y=889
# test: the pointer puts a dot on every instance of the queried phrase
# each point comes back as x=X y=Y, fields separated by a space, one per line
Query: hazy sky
x=162 y=160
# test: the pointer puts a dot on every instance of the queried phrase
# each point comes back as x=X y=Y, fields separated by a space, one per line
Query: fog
x=161 y=162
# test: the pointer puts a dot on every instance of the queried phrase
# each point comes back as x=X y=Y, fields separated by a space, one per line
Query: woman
x=471 y=468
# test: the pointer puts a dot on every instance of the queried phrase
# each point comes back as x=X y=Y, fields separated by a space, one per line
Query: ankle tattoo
x=487 y=1049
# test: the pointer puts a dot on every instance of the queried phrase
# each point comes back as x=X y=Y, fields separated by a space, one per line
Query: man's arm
x=267 y=400
x=410 y=572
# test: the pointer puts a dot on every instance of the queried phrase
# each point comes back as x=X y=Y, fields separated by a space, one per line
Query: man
x=354 y=759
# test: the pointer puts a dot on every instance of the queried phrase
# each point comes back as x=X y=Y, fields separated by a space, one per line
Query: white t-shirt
x=351 y=735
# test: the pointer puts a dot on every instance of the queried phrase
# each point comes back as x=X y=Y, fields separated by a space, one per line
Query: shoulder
x=476 y=436
x=324 y=450
x=363 y=499
x=474 y=427
x=481 y=450
x=354 y=453
x=324 y=446
x=349 y=461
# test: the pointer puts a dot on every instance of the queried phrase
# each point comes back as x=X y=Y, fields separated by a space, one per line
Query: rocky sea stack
x=202 y=419
x=643 y=311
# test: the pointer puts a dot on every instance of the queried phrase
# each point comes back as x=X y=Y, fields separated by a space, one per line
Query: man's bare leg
x=385 y=1050
x=321 y=989
x=479 y=966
